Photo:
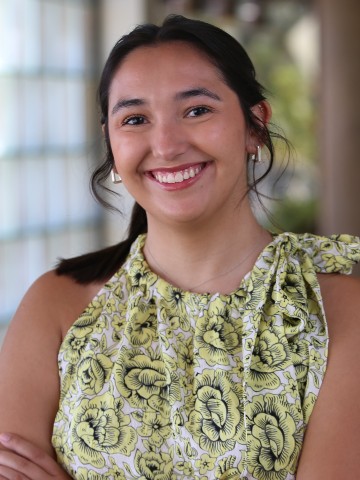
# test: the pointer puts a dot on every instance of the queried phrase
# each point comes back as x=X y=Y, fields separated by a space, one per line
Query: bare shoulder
x=341 y=297
x=29 y=377
x=331 y=446
x=346 y=285
x=54 y=301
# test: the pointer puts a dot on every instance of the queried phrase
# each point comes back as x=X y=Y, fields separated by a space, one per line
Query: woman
x=197 y=347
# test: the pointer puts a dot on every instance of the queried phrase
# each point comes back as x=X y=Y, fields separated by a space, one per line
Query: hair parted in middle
x=222 y=50
x=237 y=72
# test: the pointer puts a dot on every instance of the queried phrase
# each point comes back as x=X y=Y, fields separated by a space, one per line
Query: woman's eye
x=198 y=111
x=134 y=120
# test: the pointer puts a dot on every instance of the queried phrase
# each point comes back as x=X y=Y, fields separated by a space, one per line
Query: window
x=47 y=120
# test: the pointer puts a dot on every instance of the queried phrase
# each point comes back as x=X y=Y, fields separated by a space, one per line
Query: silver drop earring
x=115 y=177
x=256 y=157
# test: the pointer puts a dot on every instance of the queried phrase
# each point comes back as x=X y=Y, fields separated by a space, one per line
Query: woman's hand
x=23 y=460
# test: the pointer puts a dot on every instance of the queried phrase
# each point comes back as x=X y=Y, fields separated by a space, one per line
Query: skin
x=166 y=132
x=161 y=121
x=175 y=127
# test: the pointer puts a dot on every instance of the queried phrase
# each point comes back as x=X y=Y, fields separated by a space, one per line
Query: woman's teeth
x=177 y=177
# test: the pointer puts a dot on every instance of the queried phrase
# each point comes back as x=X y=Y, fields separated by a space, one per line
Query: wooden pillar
x=340 y=116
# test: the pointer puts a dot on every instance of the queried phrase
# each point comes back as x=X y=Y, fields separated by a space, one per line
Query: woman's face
x=178 y=134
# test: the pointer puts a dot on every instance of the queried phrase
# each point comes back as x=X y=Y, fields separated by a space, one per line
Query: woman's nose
x=169 y=140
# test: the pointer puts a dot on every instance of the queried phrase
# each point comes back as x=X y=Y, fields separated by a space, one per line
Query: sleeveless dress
x=163 y=384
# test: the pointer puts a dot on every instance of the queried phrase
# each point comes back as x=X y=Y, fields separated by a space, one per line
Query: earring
x=256 y=157
x=115 y=177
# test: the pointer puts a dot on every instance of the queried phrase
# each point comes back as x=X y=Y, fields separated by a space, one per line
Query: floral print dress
x=163 y=384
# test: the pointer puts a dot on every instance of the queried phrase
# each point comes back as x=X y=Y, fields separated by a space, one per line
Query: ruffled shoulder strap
x=333 y=254
x=285 y=344
x=286 y=270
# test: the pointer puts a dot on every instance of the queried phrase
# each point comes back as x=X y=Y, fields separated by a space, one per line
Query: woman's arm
x=23 y=460
x=332 y=442
x=29 y=377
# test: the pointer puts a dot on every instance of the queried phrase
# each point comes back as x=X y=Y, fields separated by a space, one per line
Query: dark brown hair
x=238 y=72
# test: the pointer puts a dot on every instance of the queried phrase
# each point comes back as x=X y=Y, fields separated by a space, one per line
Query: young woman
x=196 y=348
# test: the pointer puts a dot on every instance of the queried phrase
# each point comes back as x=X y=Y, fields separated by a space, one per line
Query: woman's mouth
x=178 y=176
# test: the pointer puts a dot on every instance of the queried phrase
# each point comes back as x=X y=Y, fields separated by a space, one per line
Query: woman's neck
x=211 y=258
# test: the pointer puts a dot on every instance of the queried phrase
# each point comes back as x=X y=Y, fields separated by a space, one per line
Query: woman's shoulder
x=55 y=301
x=29 y=377
x=341 y=298
x=330 y=445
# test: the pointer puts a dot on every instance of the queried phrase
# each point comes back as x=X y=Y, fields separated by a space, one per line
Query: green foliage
x=296 y=216
x=293 y=100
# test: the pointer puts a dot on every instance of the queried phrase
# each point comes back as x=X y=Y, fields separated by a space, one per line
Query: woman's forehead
x=172 y=48
x=174 y=62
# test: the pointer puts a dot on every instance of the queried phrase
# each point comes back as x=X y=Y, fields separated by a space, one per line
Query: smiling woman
x=179 y=117
x=197 y=347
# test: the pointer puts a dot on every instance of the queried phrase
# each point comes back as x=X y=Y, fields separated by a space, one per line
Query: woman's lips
x=178 y=176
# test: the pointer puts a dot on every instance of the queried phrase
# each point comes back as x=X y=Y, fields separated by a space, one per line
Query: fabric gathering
x=156 y=379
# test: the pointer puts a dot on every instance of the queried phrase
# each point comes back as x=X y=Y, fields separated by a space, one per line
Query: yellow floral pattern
x=162 y=384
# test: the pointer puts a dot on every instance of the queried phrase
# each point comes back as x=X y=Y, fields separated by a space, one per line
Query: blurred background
x=51 y=53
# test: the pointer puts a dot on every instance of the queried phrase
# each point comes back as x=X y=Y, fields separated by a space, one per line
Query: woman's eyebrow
x=126 y=102
x=197 y=92
x=193 y=92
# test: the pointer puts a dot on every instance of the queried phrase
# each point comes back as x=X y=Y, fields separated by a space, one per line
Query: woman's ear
x=262 y=113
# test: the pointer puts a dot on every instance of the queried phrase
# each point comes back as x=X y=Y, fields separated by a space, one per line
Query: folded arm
x=29 y=377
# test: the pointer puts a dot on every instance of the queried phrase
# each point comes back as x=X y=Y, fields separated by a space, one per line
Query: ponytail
x=103 y=264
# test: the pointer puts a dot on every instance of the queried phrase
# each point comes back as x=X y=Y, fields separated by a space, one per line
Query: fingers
x=14 y=467
x=10 y=474
x=27 y=459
